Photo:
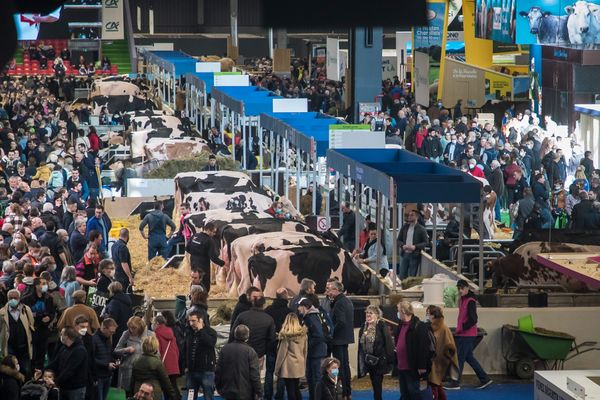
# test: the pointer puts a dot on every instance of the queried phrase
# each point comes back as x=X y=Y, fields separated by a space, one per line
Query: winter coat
x=11 y=381
x=417 y=346
x=291 y=356
x=199 y=349
x=328 y=390
x=278 y=310
x=242 y=305
x=67 y=319
x=169 y=349
x=126 y=367
x=342 y=314
x=70 y=366
x=383 y=347
x=119 y=308
x=26 y=318
x=43 y=173
x=102 y=354
x=149 y=369
x=317 y=345
x=446 y=357
x=237 y=375
x=262 y=329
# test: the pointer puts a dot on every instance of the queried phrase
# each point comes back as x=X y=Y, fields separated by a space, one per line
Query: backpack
x=34 y=391
x=326 y=324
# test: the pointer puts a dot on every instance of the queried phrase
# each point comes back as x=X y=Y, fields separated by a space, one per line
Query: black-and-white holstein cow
x=548 y=28
x=274 y=260
x=170 y=122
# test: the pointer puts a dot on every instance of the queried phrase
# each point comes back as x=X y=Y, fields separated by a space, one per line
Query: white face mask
x=399 y=315
x=111 y=274
x=83 y=331
x=426 y=319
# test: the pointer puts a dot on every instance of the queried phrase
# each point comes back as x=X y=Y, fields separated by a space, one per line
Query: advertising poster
x=455 y=21
x=333 y=67
x=497 y=86
x=421 y=78
x=495 y=20
x=548 y=22
x=113 y=27
x=521 y=88
x=431 y=40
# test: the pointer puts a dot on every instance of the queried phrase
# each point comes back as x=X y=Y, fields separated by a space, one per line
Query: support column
x=365 y=48
x=281 y=38
x=233 y=21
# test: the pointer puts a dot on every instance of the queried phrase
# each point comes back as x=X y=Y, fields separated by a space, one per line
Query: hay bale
x=227 y=64
x=411 y=282
x=169 y=169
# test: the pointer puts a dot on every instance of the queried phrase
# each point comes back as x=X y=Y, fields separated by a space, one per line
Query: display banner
x=431 y=40
x=113 y=27
x=421 y=78
x=333 y=59
x=558 y=22
x=495 y=20
x=455 y=21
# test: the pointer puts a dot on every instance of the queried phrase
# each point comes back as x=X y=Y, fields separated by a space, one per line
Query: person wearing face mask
x=17 y=331
x=11 y=379
x=44 y=313
x=104 y=364
x=71 y=365
x=330 y=386
x=375 y=349
x=445 y=361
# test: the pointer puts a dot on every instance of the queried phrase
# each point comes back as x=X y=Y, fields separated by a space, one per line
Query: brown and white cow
x=522 y=268
x=273 y=260
x=175 y=148
x=169 y=122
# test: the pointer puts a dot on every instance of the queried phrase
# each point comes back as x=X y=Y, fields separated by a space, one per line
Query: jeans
x=103 y=386
x=206 y=380
x=157 y=245
x=409 y=386
x=313 y=375
x=172 y=245
x=73 y=394
x=268 y=387
x=497 y=209
x=409 y=266
x=465 y=346
x=341 y=353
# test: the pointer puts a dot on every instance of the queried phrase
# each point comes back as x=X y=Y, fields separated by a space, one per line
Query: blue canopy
x=298 y=128
x=202 y=80
x=178 y=62
x=245 y=100
x=417 y=179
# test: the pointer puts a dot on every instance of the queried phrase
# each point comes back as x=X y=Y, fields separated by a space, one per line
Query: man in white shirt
x=28 y=25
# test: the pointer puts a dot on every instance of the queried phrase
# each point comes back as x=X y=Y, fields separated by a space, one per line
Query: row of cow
x=580 y=25
x=258 y=249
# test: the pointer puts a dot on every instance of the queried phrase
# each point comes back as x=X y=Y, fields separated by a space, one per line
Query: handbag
x=371 y=360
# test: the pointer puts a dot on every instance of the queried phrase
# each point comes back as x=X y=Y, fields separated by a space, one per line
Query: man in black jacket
x=261 y=325
x=317 y=345
x=238 y=372
x=347 y=231
x=278 y=310
x=342 y=314
x=103 y=360
x=199 y=356
x=44 y=313
x=412 y=239
x=244 y=304
x=71 y=365
x=413 y=358
x=202 y=251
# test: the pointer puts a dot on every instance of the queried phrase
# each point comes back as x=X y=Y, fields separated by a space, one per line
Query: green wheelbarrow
x=522 y=349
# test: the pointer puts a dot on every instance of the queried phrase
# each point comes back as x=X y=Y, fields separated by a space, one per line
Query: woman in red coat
x=94 y=140
x=169 y=352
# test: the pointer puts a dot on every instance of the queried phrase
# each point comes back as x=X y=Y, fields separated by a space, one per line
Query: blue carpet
x=494 y=392
x=518 y=391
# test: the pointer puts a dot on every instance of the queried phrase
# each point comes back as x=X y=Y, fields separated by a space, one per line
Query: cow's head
x=579 y=13
x=535 y=17
x=595 y=12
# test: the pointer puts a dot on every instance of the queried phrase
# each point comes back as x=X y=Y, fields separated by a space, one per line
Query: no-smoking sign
x=322 y=224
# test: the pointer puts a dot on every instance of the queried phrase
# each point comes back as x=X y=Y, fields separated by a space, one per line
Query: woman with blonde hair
x=445 y=361
x=291 y=355
x=129 y=348
x=148 y=368
x=375 y=349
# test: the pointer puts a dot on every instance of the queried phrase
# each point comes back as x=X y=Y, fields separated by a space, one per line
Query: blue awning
x=245 y=100
x=416 y=179
x=177 y=62
x=298 y=128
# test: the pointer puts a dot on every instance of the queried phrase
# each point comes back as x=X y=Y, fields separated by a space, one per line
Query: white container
x=433 y=292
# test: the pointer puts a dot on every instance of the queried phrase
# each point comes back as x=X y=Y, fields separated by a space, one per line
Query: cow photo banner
x=558 y=22
x=495 y=20
x=431 y=40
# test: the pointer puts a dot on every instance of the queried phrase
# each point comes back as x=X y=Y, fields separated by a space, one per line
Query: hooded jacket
x=10 y=382
x=291 y=355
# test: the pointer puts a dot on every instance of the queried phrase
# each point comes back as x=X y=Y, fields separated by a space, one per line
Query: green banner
x=350 y=127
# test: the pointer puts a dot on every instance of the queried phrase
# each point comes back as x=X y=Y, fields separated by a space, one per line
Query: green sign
x=350 y=127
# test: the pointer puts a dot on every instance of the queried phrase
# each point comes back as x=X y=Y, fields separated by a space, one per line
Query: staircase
x=118 y=54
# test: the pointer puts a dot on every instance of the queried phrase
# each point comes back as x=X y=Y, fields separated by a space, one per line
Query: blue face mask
x=13 y=303
x=335 y=372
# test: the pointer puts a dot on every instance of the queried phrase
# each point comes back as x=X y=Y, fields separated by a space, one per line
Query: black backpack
x=327 y=325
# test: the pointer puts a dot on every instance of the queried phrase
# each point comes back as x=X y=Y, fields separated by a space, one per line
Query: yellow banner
x=478 y=52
